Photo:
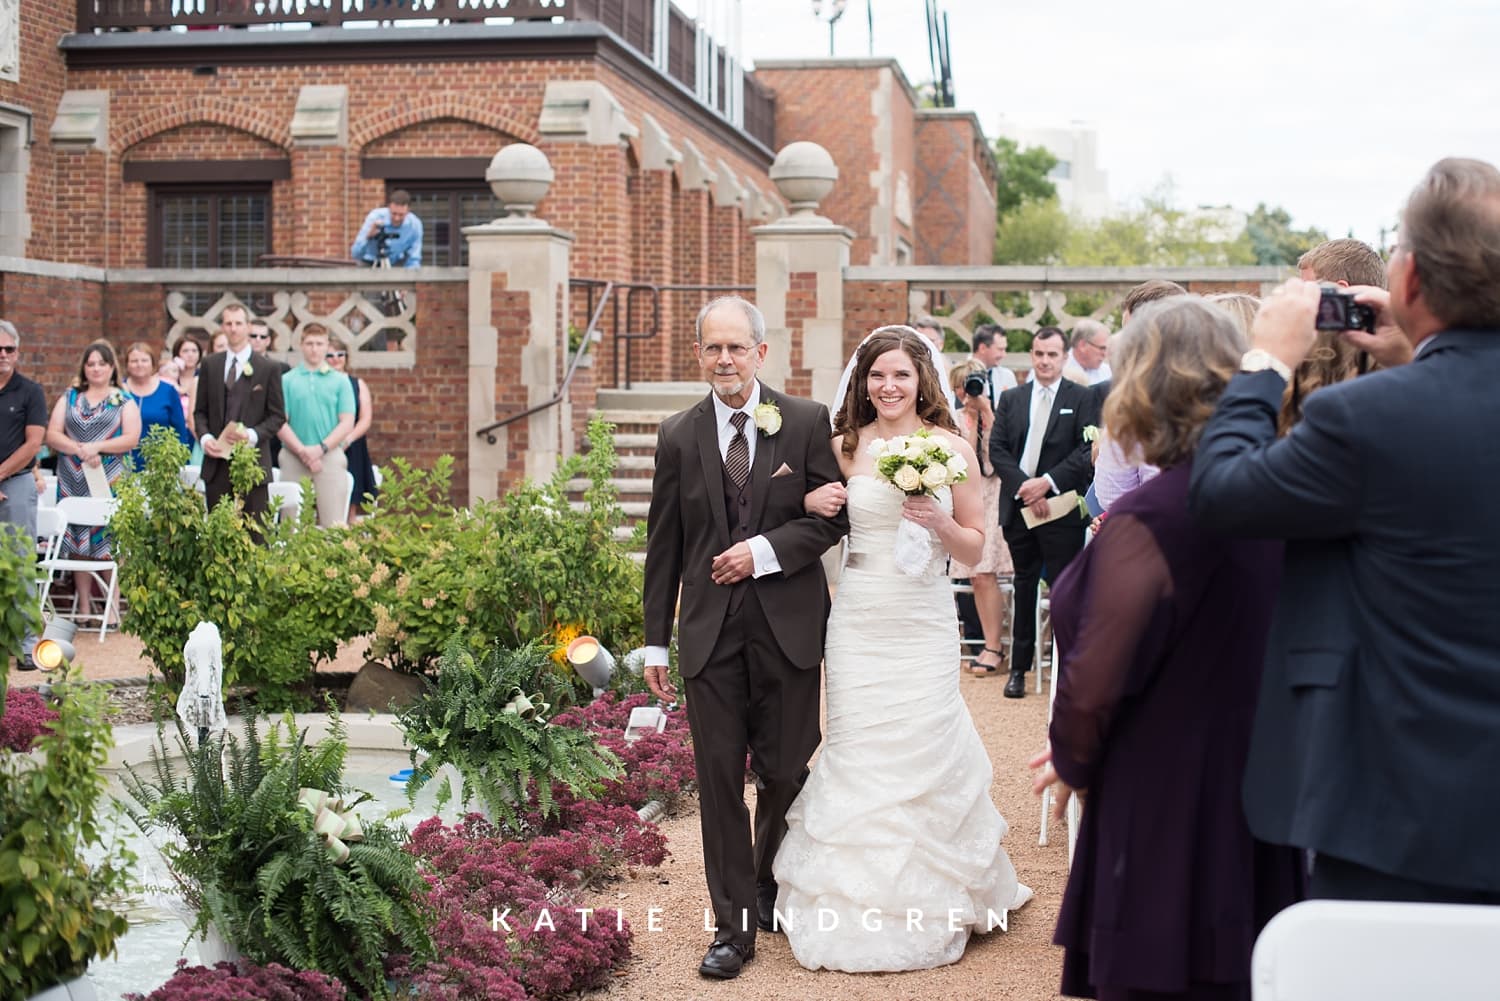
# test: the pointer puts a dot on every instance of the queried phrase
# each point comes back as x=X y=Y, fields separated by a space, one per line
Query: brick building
x=138 y=164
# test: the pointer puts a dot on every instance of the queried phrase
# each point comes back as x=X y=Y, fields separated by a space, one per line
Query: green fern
x=503 y=756
x=247 y=858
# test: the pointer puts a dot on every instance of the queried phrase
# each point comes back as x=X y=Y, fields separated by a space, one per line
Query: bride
x=892 y=855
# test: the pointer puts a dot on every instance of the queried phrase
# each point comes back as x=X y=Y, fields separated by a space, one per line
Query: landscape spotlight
x=593 y=663
x=55 y=648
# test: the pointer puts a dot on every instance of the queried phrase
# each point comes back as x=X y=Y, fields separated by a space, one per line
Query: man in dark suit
x=1038 y=451
x=1378 y=725
x=727 y=525
x=239 y=399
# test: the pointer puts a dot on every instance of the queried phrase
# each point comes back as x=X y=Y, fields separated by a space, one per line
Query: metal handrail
x=488 y=431
x=631 y=288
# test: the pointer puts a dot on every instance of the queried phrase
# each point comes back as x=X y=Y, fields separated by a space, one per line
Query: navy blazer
x=1064 y=455
x=1377 y=735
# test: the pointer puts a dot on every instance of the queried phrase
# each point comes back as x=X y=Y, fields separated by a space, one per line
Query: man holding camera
x=989 y=351
x=1379 y=717
x=392 y=234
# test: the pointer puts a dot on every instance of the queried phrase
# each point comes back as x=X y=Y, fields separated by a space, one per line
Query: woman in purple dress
x=1161 y=629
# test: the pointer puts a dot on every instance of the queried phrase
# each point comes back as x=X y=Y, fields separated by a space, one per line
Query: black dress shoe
x=765 y=909
x=724 y=960
x=1015 y=688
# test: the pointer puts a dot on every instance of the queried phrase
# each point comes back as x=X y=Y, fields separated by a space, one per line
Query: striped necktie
x=737 y=459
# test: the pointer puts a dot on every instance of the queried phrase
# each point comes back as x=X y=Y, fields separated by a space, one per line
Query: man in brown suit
x=239 y=399
x=727 y=525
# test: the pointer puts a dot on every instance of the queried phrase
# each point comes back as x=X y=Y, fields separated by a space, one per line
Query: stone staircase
x=636 y=414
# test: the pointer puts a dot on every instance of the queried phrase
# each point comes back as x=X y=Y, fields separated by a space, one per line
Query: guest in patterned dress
x=94 y=424
x=976 y=417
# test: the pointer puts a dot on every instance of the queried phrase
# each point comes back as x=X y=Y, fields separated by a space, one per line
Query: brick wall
x=43 y=80
x=801 y=306
x=868 y=305
x=56 y=317
x=954 y=193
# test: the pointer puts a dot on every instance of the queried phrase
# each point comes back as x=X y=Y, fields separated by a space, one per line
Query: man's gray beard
x=727 y=391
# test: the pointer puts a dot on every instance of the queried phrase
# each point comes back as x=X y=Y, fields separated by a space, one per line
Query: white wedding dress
x=892 y=856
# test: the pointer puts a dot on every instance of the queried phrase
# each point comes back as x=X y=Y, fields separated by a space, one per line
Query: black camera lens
x=976 y=385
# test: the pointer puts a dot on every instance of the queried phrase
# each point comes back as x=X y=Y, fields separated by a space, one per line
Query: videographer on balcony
x=390 y=234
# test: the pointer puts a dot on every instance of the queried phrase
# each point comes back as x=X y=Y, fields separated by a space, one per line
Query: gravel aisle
x=1020 y=964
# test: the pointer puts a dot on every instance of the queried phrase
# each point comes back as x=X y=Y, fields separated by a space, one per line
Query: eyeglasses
x=330 y=356
x=715 y=350
x=8 y=349
x=264 y=336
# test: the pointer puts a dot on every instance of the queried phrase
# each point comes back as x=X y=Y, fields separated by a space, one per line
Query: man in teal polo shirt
x=319 y=417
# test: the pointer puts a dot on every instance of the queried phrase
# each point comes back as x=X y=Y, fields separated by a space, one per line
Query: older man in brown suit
x=727 y=525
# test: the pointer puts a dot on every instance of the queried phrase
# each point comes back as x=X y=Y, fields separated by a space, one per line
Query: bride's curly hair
x=858 y=411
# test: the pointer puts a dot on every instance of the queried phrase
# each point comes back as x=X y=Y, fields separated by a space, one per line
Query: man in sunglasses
x=23 y=422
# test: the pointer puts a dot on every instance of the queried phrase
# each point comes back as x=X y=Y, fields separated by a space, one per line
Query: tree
x=1023 y=176
x=1037 y=232
x=1273 y=240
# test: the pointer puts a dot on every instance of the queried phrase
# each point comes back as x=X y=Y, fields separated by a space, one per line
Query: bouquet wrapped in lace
x=916 y=464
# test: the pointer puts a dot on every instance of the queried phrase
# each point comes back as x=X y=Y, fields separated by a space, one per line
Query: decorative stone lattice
x=972 y=307
x=380 y=323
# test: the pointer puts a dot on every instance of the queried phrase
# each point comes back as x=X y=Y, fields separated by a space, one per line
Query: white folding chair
x=190 y=476
x=379 y=477
x=1376 y=951
x=968 y=650
x=47 y=496
x=82 y=512
x=1043 y=617
x=285 y=499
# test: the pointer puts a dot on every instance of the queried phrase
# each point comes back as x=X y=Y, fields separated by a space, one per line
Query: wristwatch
x=1259 y=359
x=324 y=446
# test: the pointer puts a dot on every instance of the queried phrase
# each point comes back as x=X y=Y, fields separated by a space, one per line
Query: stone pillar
x=518 y=309
x=799 y=278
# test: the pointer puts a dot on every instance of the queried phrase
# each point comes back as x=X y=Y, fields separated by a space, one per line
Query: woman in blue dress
x=160 y=401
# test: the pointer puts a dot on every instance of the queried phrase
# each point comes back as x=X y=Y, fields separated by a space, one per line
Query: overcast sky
x=1331 y=108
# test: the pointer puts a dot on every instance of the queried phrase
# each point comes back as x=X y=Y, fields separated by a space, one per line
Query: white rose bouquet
x=916 y=464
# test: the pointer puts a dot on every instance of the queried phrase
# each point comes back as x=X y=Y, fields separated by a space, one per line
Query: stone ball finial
x=520 y=176
x=804 y=173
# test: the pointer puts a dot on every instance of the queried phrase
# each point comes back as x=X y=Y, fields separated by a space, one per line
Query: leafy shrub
x=26 y=717
x=53 y=915
x=247 y=858
x=506 y=571
x=244 y=981
x=20 y=611
x=469 y=719
x=274 y=603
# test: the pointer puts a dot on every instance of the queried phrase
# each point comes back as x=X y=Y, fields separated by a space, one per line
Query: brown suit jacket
x=688 y=526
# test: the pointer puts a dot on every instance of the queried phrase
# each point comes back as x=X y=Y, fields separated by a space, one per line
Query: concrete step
x=632 y=509
x=623 y=486
x=668 y=396
x=626 y=441
x=635 y=418
x=635 y=463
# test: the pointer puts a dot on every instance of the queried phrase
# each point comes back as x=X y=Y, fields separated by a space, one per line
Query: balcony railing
x=750 y=106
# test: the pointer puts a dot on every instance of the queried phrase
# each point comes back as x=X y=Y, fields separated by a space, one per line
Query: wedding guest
x=994 y=562
x=189 y=352
x=1161 y=627
x=95 y=424
x=220 y=343
x=1333 y=358
x=1240 y=307
x=356 y=446
x=159 y=401
x=1378 y=723
x=319 y=415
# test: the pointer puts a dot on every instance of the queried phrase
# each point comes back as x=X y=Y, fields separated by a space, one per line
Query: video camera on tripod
x=381 y=238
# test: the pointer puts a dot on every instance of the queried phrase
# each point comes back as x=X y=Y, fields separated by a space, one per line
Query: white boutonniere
x=115 y=398
x=247 y=371
x=767 y=417
x=325 y=368
x=1091 y=432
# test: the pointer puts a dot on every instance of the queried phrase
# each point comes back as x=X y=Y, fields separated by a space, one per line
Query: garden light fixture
x=593 y=663
x=55 y=648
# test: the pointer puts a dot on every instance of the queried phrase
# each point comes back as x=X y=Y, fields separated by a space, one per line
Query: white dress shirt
x=1039 y=430
x=243 y=357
